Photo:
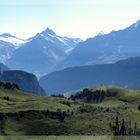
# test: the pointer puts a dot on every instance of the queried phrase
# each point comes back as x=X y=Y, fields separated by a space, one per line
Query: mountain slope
x=3 y=67
x=106 y=48
x=42 y=52
x=8 y=44
x=6 y=37
x=124 y=73
x=6 y=51
x=26 y=81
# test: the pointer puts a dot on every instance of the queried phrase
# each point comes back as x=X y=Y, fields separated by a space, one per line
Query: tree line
x=8 y=85
x=96 y=96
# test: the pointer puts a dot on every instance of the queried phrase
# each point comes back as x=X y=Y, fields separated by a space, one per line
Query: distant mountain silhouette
x=106 y=48
x=125 y=73
x=47 y=52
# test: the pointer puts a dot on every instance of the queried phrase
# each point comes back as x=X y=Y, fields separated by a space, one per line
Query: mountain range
x=47 y=52
x=42 y=52
x=106 y=48
x=124 y=73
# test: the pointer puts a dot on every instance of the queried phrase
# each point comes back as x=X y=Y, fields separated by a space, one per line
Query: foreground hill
x=26 y=114
x=124 y=73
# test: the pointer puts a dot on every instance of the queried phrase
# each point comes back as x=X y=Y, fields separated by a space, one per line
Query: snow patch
x=137 y=24
x=101 y=33
x=51 y=54
x=15 y=41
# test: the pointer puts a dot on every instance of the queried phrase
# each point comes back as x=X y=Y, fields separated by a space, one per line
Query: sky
x=72 y=18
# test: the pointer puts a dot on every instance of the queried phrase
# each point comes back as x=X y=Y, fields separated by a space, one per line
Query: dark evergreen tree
x=123 y=128
x=139 y=107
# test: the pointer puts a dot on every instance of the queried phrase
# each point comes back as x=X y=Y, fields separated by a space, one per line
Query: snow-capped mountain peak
x=6 y=37
x=66 y=44
x=44 y=51
x=48 y=31
x=101 y=33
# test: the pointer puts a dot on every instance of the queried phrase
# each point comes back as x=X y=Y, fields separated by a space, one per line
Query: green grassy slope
x=26 y=114
x=21 y=101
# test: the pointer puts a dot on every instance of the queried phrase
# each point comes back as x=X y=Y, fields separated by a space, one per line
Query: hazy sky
x=73 y=18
